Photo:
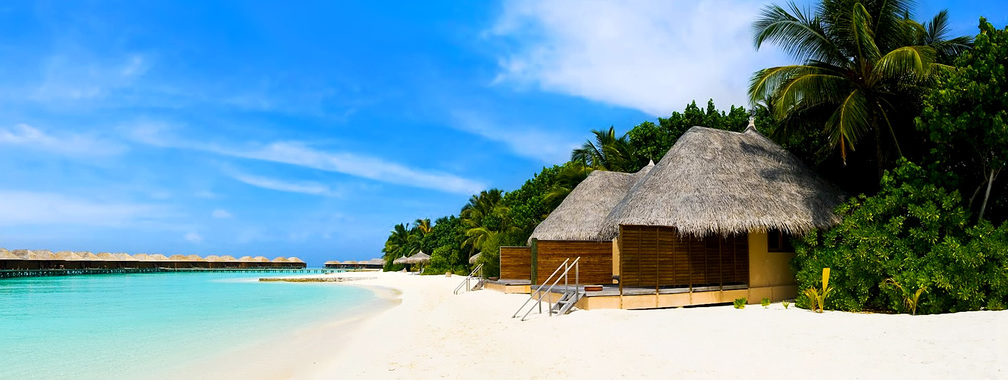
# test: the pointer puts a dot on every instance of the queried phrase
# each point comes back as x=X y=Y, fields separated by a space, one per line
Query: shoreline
x=290 y=354
x=431 y=333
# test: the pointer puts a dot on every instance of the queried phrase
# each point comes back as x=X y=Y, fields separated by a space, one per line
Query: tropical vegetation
x=908 y=120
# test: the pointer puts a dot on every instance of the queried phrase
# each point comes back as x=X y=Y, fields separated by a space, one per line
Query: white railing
x=564 y=271
x=468 y=280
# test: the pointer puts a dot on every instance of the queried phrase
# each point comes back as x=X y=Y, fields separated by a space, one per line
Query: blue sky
x=309 y=129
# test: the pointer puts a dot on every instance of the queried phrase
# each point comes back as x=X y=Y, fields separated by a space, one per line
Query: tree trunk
x=983 y=206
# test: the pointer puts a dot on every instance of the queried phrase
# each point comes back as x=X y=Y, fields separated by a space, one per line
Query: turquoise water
x=128 y=326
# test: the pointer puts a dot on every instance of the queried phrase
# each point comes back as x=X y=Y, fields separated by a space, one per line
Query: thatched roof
x=246 y=259
x=64 y=255
x=280 y=259
x=260 y=259
x=227 y=258
x=122 y=256
x=7 y=255
x=332 y=262
x=720 y=182
x=582 y=212
x=214 y=258
x=401 y=260
x=157 y=257
x=141 y=257
x=376 y=262
x=45 y=254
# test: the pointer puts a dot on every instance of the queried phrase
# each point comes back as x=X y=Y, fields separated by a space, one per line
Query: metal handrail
x=478 y=268
x=567 y=267
x=532 y=295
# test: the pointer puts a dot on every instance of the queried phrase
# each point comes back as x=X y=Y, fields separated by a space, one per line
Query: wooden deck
x=647 y=298
x=508 y=286
x=15 y=273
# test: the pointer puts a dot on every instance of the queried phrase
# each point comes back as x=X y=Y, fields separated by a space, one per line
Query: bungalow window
x=779 y=241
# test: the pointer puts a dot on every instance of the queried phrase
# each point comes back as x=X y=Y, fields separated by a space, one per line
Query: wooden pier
x=15 y=273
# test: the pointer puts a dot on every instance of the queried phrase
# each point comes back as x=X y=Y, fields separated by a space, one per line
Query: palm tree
x=422 y=225
x=611 y=153
x=397 y=243
x=865 y=65
x=570 y=175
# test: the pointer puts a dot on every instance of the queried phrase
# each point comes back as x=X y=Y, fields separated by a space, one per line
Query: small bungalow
x=708 y=224
x=571 y=230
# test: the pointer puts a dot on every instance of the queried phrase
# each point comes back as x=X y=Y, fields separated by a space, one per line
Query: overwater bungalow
x=708 y=224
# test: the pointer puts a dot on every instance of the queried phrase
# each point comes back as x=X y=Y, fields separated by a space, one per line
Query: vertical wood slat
x=595 y=266
x=516 y=263
x=657 y=257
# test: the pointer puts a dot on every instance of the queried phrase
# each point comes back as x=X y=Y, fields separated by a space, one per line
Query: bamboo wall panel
x=595 y=266
x=516 y=263
x=658 y=257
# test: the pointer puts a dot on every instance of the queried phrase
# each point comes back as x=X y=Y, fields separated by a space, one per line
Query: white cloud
x=23 y=207
x=312 y=188
x=652 y=55
x=221 y=214
x=77 y=75
x=299 y=154
x=193 y=237
x=548 y=147
x=26 y=136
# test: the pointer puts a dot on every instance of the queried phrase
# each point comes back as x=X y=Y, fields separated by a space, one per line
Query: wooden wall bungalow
x=572 y=231
x=708 y=224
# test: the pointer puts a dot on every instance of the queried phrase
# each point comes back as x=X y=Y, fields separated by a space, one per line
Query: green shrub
x=916 y=234
x=785 y=304
x=740 y=303
x=765 y=302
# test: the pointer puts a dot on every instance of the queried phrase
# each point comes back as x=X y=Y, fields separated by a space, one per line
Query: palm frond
x=849 y=122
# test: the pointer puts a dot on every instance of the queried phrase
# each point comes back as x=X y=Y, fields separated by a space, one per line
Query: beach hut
x=709 y=222
x=228 y=261
x=8 y=260
x=332 y=264
x=295 y=262
x=573 y=230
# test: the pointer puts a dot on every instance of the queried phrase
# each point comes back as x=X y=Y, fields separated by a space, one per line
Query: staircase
x=474 y=281
x=565 y=303
x=571 y=292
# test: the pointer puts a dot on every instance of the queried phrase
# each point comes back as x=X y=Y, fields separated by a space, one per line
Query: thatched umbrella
x=475 y=258
x=582 y=213
x=401 y=260
x=720 y=182
x=418 y=258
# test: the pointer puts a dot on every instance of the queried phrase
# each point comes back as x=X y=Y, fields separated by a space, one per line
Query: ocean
x=126 y=326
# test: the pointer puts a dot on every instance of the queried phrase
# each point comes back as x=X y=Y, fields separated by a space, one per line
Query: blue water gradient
x=129 y=326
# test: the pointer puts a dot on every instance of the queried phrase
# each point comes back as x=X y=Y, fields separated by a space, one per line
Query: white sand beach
x=435 y=334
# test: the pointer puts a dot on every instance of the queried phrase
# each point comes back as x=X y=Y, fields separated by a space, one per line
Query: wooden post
x=534 y=261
